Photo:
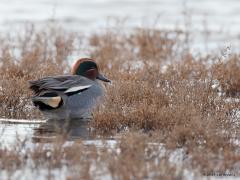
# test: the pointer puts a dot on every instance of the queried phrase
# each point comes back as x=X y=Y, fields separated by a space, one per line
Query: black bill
x=102 y=78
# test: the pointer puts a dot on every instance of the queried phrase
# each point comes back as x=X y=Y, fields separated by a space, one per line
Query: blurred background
x=212 y=23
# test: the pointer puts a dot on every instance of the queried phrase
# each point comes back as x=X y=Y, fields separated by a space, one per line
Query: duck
x=70 y=96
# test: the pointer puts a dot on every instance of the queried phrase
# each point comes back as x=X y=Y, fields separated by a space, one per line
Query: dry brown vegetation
x=137 y=160
x=160 y=90
x=30 y=56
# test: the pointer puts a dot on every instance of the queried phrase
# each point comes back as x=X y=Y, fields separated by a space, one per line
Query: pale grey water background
x=220 y=18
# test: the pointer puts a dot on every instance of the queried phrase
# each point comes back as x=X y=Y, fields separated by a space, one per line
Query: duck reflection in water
x=70 y=129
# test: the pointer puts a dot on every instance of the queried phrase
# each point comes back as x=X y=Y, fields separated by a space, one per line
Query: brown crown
x=78 y=62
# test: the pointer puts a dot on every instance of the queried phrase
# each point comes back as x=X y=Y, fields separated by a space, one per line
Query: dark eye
x=91 y=73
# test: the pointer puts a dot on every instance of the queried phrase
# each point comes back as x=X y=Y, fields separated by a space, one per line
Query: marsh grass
x=131 y=157
x=30 y=56
x=160 y=93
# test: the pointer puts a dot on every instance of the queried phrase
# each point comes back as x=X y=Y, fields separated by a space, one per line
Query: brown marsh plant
x=159 y=90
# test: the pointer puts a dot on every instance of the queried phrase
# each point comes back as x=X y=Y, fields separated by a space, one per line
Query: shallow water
x=34 y=132
x=26 y=136
x=10 y=133
x=43 y=131
x=215 y=22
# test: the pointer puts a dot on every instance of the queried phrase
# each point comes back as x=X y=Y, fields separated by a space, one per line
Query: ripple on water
x=34 y=131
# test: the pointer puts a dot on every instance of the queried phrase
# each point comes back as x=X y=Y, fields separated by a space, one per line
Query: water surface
x=216 y=22
x=41 y=131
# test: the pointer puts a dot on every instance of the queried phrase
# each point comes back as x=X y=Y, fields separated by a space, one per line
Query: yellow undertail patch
x=52 y=101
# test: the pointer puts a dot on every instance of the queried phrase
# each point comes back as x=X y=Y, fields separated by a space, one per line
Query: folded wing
x=49 y=91
x=69 y=84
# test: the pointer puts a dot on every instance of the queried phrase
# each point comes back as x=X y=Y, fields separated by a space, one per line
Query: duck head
x=88 y=68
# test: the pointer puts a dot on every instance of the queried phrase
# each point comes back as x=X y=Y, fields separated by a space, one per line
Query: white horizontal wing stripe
x=77 y=88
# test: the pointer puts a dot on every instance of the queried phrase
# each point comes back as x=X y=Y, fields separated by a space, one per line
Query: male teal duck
x=69 y=96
